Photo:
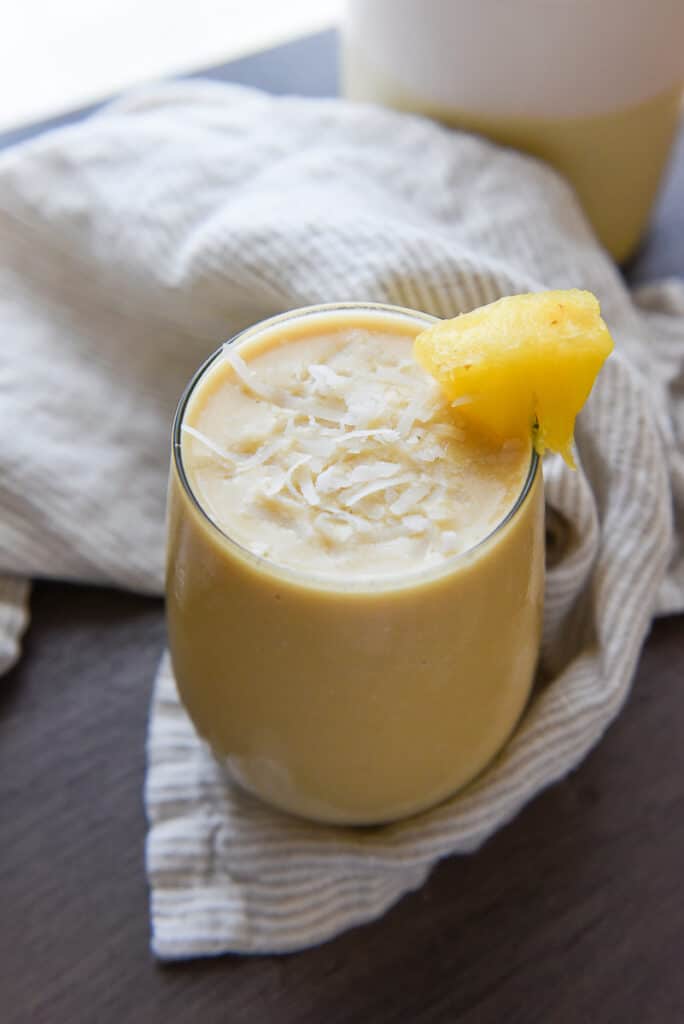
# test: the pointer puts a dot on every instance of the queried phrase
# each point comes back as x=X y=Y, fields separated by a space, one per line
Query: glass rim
x=315 y=579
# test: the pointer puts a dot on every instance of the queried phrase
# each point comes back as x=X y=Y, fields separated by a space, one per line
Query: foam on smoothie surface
x=332 y=451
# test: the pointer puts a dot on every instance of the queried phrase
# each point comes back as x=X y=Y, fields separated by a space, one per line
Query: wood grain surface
x=573 y=913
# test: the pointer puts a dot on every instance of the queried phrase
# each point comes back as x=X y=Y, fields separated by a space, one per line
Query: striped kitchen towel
x=131 y=245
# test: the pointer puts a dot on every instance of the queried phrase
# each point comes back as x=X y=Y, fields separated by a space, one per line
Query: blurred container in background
x=592 y=87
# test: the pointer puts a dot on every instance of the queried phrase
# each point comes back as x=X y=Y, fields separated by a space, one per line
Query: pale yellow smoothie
x=354 y=577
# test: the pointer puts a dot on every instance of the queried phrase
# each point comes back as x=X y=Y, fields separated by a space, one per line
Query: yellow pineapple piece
x=525 y=363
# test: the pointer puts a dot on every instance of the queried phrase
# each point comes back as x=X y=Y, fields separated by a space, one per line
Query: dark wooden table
x=573 y=913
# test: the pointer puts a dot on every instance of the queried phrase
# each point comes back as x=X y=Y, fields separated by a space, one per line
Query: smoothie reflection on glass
x=355 y=581
x=593 y=88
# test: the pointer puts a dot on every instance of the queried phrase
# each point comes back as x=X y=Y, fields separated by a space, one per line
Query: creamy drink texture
x=355 y=579
x=333 y=452
x=355 y=570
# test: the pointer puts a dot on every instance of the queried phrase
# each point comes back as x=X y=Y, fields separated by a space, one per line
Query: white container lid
x=540 y=58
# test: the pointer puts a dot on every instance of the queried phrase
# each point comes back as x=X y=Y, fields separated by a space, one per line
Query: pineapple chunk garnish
x=522 y=365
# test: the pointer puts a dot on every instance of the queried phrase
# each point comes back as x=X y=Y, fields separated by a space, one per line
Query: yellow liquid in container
x=615 y=160
x=354 y=586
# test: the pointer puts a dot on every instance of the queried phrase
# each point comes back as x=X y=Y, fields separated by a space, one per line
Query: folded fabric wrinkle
x=131 y=246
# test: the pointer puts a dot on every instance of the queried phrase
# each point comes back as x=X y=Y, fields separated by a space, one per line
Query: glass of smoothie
x=593 y=88
x=355 y=577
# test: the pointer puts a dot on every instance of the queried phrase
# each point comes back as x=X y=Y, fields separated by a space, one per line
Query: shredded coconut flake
x=316 y=410
x=353 y=496
x=409 y=499
x=311 y=495
x=322 y=446
x=384 y=434
x=333 y=478
x=325 y=378
x=354 y=447
x=416 y=524
x=420 y=410
x=245 y=375
x=280 y=445
x=208 y=443
x=274 y=484
x=449 y=541
x=364 y=473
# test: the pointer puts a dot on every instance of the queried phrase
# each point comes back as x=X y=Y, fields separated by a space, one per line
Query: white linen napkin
x=131 y=245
